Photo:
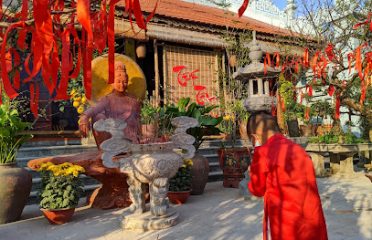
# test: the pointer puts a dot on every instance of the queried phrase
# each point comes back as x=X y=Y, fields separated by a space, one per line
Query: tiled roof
x=198 y=13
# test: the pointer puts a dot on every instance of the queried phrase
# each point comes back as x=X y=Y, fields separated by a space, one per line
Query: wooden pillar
x=157 y=76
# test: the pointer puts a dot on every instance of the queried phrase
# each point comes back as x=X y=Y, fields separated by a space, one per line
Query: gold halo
x=100 y=88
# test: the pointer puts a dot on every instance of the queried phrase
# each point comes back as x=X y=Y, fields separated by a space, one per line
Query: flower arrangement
x=182 y=180
x=61 y=186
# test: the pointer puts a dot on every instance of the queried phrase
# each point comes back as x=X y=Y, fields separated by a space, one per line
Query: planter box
x=232 y=176
x=233 y=162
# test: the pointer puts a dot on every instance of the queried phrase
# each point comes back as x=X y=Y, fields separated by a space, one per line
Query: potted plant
x=149 y=121
x=233 y=162
x=15 y=182
x=242 y=116
x=60 y=191
x=207 y=127
x=180 y=184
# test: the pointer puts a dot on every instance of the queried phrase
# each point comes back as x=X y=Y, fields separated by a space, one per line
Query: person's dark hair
x=262 y=117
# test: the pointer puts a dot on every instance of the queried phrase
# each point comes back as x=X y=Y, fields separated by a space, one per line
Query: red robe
x=283 y=173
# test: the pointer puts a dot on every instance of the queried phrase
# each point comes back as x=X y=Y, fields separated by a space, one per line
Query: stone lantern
x=257 y=81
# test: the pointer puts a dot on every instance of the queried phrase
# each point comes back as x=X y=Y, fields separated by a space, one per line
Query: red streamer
x=329 y=52
x=4 y=73
x=331 y=90
x=243 y=7
x=337 y=107
x=306 y=58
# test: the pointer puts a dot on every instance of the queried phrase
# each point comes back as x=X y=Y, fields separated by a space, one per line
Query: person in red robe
x=283 y=173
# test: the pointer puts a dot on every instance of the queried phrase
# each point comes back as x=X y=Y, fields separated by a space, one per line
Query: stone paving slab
x=220 y=213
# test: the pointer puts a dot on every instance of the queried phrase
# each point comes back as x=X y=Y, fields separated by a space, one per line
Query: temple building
x=184 y=51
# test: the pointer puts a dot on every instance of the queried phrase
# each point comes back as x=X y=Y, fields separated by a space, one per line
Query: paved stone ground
x=219 y=213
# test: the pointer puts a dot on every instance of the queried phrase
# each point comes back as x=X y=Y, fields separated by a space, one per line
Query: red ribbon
x=111 y=40
x=17 y=75
x=337 y=107
x=331 y=90
x=309 y=90
x=62 y=89
x=358 y=62
x=306 y=57
x=267 y=61
x=314 y=63
x=21 y=42
x=329 y=52
x=4 y=73
x=243 y=7
x=277 y=59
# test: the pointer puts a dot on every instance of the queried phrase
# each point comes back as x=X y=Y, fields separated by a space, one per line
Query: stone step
x=215 y=176
x=38 y=152
x=52 y=142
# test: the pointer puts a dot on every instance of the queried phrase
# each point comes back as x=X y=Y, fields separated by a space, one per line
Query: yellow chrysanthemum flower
x=226 y=118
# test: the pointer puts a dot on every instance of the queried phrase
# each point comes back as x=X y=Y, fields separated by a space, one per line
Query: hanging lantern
x=141 y=50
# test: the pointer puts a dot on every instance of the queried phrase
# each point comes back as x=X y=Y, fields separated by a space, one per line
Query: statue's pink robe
x=118 y=106
x=283 y=173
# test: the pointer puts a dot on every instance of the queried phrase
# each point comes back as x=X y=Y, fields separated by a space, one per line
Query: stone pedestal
x=342 y=163
x=152 y=164
x=146 y=221
x=318 y=162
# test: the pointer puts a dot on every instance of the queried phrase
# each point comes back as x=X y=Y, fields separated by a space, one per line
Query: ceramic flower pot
x=178 y=197
x=199 y=172
x=15 y=188
x=59 y=216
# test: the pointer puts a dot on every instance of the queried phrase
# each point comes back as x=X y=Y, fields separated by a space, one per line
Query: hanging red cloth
x=283 y=173
x=331 y=90
x=329 y=52
x=243 y=7
x=337 y=106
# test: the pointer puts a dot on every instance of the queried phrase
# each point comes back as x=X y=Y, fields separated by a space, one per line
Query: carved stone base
x=318 y=162
x=146 y=221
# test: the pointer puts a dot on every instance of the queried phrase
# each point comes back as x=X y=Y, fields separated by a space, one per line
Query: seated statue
x=118 y=105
